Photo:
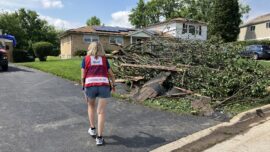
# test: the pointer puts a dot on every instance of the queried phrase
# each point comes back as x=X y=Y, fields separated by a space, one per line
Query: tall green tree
x=93 y=21
x=10 y=24
x=225 y=20
x=153 y=11
x=202 y=9
x=170 y=8
x=197 y=9
x=138 y=15
x=28 y=28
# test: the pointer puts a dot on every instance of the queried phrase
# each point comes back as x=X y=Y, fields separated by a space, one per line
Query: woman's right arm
x=83 y=72
x=82 y=76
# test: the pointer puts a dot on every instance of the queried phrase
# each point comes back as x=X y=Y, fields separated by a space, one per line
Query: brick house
x=80 y=38
x=255 y=29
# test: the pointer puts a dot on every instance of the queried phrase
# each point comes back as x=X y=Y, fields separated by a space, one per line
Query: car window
x=252 y=48
x=258 y=48
x=265 y=47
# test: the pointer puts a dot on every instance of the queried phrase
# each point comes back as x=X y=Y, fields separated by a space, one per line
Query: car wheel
x=5 y=67
x=255 y=56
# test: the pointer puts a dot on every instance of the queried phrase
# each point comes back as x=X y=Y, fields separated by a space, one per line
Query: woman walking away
x=96 y=75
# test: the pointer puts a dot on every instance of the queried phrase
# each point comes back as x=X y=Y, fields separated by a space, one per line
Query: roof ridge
x=258 y=19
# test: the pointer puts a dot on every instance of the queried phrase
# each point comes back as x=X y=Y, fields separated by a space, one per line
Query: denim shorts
x=98 y=91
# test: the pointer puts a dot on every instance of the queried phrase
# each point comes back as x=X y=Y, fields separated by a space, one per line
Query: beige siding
x=79 y=44
x=260 y=33
x=72 y=43
x=66 y=44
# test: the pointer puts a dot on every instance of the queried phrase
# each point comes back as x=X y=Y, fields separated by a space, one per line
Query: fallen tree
x=210 y=69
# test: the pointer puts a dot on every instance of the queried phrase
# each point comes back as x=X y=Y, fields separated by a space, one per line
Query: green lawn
x=69 y=68
x=265 y=63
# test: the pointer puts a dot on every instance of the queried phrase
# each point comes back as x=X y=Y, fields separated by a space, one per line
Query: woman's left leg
x=101 y=115
x=91 y=112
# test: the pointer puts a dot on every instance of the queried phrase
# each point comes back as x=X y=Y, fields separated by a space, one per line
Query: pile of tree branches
x=212 y=69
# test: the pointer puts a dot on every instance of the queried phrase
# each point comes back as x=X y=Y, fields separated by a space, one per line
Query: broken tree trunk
x=183 y=90
x=177 y=92
x=130 y=78
x=152 y=88
x=164 y=68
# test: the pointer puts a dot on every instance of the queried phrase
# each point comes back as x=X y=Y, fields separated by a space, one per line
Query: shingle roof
x=151 y=33
x=92 y=30
x=257 y=20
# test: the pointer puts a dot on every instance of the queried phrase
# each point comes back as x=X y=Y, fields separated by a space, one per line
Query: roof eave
x=255 y=23
x=97 y=33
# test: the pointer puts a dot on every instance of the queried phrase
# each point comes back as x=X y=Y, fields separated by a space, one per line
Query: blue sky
x=67 y=14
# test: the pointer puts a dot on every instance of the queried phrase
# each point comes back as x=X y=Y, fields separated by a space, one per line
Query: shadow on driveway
x=14 y=69
x=138 y=141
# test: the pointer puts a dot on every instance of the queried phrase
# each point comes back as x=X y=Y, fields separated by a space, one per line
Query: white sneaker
x=92 y=132
x=100 y=141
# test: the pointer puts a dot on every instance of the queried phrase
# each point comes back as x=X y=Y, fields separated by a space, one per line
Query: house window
x=252 y=28
x=185 y=28
x=199 y=30
x=116 y=40
x=191 y=29
x=90 y=38
x=268 y=25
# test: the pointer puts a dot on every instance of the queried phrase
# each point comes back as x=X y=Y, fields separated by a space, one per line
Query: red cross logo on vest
x=96 y=71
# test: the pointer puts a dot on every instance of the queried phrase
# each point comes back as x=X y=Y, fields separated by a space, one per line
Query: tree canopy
x=28 y=28
x=137 y=16
x=93 y=21
x=156 y=10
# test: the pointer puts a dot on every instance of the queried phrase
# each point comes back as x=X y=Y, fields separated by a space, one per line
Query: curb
x=206 y=138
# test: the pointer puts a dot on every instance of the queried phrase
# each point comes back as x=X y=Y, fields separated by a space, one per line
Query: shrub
x=253 y=42
x=80 y=53
x=42 y=50
x=55 y=52
x=20 y=55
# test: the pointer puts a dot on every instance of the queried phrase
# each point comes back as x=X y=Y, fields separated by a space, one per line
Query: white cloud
x=6 y=11
x=11 y=4
x=57 y=22
x=120 y=18
x=52 y=3
x=30 y=4
x=60 y=23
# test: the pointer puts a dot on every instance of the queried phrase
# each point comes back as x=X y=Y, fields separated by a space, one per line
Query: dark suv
x=257 y=52
x=3 y=58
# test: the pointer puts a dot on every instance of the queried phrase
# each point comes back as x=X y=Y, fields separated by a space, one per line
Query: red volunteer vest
x=96 y=71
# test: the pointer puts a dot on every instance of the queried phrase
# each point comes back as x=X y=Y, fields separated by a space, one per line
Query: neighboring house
x=177 y=28
x=80 y=38
x=256 y=29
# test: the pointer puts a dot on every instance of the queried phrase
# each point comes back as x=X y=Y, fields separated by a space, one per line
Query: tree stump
x=152 y=88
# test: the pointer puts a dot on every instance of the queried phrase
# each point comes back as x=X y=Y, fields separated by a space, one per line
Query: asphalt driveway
x=40 y=112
